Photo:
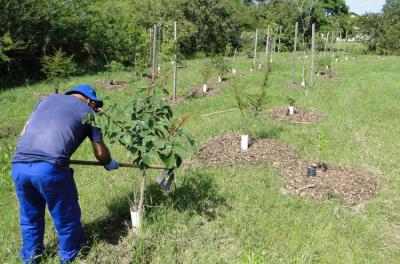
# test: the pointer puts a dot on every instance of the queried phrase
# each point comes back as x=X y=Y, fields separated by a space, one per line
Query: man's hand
x=113 y=165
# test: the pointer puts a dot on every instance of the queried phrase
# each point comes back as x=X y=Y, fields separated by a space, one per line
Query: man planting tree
x=41 y=173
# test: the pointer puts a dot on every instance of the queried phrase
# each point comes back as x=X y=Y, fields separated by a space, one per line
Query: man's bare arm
x=101 y=152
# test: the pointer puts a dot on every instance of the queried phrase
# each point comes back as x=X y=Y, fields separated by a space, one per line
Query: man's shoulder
x=68 y=101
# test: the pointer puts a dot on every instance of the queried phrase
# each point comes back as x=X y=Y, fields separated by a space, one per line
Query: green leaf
x=146 y=158
x=170 y=161
x=158 y=143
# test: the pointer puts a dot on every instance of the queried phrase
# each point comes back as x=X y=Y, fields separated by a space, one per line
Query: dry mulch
x=112 y=84
x=301 y=115
x=296 y=85
x=351 y=185
x=177 y=101
x=225 y=80
x=326 y=76
x=197 y=92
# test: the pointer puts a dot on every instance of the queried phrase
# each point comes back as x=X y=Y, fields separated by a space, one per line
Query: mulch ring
x=177 y=101
x=224 y=80
x=111 y=84
x=351 y=185
x=296 y=85
x=326 y=76
x=197 y=92
x=301 y=115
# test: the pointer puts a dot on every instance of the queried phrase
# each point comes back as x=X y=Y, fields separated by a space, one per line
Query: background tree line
x=96 y=32
x=381 y=31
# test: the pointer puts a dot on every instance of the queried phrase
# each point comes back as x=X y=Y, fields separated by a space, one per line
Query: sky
x=362 y=6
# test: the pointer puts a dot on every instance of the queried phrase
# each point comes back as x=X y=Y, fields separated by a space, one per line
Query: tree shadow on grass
x=111 y=227
x=195 y=193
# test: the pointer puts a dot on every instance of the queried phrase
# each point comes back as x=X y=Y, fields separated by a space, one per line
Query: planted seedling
x=148 y=130
x=221 y=65
x=249 y=105
x=324 y=66
x=291 y=102
x=205 y=72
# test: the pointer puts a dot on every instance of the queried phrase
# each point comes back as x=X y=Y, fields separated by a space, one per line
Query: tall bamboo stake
x=154 y=53
x=273 y=47
x=267 y=51
x=312 y=55
x=175 y=60
x=255 y=48
x=326 y=43
x=279 y=39
x=294 y=53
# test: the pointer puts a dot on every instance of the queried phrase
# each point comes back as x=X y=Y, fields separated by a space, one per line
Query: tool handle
x=122 y=165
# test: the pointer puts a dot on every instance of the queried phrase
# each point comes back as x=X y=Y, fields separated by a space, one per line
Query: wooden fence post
x=294 y=53
x=312 y=55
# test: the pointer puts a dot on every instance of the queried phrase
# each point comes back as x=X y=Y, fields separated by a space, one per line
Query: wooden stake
x=267 y=51
x=175 y=61
x=255 y=48
x=154 y=52
x=279 y=39
x=294 y=53
x=274 y=46
x=326 y=43
x=312 y=55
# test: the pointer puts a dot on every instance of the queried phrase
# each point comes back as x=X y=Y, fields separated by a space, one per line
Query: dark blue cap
x=87 y=91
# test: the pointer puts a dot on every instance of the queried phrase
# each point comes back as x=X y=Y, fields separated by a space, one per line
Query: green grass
x=238 y=215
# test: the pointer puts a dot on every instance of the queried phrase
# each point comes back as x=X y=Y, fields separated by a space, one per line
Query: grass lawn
x=228 y=214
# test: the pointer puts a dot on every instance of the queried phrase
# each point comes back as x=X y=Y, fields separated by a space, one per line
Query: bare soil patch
x=296 y=85
x=328 y=76
x=111 y=84
x=197 y=92
x=225 y=80
x=301 y=115
x=177 y=101
x=349 y=184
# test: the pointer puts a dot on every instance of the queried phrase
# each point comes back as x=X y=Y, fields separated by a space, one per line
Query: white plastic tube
x=234 y=71
x=244 y=142
x=205 y=88
x=136 y=218
x=291 y=110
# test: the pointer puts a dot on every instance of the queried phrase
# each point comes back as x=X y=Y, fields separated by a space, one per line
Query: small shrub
x=58 y=66
x=229 y=50
x=221 y=65
x=205 y=71
x=114 y=66
x=290 y=101
x=324 y=64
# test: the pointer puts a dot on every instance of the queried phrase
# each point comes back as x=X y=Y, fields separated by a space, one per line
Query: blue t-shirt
x=55 y=130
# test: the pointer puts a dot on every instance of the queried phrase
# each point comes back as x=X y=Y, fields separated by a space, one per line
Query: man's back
x=55 y=130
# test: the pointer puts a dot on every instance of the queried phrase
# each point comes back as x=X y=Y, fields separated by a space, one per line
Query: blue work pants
x=38 y=184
